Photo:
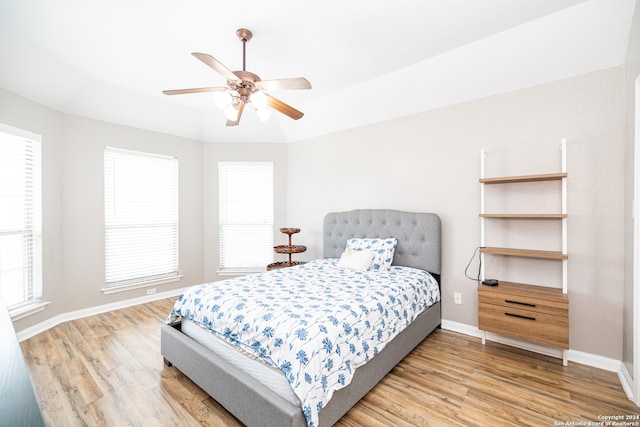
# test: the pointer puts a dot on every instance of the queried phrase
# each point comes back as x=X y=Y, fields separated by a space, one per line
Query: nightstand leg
x=565 y=361
x=484 y=337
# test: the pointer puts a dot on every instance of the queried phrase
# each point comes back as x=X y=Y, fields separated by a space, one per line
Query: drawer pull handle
x=520 y=316
x=528 y=304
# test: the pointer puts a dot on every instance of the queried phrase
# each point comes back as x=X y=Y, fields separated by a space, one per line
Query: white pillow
x=356 y=260
x=383 y=248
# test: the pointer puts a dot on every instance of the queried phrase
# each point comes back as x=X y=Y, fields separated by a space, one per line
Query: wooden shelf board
x=527 y=290
x=289 y=249
x=526 y=253
x=524 y=216
x=524 y=178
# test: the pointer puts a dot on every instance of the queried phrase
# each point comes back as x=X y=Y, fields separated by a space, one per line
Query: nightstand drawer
x=527 y=325
x=525 y=302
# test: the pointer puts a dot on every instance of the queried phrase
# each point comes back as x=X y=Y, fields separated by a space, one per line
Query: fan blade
x=284 y=84
x=237 y=121
x=216 y=65
x=193 y=90
x=285 y=109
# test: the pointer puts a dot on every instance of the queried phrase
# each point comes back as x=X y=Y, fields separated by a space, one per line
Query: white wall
x=83 y=206
x=430 y=162
x=22 y=113
x=73 y=206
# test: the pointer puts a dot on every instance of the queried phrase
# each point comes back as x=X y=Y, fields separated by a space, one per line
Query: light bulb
x=231 y=113
x=259 y=100
x=222 y=99
x=263 y=114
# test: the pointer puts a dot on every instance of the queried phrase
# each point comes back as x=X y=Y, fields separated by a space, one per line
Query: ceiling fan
x=244 y=87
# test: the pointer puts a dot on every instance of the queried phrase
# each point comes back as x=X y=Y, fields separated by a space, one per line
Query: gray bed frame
x=419 y=246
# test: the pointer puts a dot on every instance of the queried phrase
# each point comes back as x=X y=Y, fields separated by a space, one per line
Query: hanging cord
x=479 y=266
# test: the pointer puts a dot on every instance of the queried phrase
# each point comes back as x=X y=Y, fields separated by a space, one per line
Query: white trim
x=606 y=363
x=91 y=311
x=462 y=328
x=139 y=153
x=141 y=284
x=627 y=382
x=22 y=133
x=583 y=358
x=240 y=271
x=635 y=213
x=27 y=310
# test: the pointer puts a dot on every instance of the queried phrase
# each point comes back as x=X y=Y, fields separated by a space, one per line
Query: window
x=246 y=216
x=20 y=220
x=141 y=219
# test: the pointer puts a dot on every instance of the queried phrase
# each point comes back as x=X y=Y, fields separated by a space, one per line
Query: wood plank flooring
x=106 y=370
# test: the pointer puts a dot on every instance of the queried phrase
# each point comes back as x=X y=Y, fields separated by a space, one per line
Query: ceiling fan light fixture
x=263 y=114
x=222 y=99
x=244 y=87
x=231 y=113
x=259 y=100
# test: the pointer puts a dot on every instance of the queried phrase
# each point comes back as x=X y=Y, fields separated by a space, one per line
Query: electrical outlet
x=457 y=297
x=151 y=291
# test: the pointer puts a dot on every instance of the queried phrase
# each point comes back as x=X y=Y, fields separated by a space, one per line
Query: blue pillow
x=383 y=249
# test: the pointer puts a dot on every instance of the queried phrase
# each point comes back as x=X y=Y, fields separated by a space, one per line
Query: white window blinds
x=20 y=218
x=141 y=217
x=246 y=215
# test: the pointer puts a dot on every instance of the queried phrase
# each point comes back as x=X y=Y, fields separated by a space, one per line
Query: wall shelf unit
x=530 y=312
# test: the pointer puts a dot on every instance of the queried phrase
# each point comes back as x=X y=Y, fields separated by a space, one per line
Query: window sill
x=240 y=271
x=27 y=310
x=137 y=285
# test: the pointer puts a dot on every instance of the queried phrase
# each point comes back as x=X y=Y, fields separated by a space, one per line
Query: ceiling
x=367 y=61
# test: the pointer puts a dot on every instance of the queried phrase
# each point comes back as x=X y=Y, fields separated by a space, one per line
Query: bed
x=258 y=394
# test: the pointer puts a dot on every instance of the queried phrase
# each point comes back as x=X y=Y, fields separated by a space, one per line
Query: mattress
x=316 y=322
x=271 y=377
x=418 y=246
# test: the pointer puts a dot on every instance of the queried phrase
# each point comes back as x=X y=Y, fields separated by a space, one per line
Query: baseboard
x=594 y=360
x=78 y=314
x=627 y=382
x=463 y=328
x=583 y=358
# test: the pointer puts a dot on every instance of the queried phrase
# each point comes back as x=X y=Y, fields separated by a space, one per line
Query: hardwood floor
x=106 y=370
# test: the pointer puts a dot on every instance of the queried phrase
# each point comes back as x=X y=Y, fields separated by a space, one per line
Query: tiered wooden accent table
x=287 y=249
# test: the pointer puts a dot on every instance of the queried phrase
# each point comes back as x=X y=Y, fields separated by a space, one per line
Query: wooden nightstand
x=532 y=313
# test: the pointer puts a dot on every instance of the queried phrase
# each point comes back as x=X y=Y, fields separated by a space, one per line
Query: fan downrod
x=244 y=35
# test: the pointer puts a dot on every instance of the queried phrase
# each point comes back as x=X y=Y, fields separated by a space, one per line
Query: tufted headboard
x=418 y=234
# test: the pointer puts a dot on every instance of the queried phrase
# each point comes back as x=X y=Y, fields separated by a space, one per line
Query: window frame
x=268 y=223
x=32 y=214
x=111 y=224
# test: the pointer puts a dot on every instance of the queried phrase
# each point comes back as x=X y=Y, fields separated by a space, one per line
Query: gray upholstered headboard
x=418 y=234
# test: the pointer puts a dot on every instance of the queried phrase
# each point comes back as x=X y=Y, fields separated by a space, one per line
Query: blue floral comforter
x=316 y=322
